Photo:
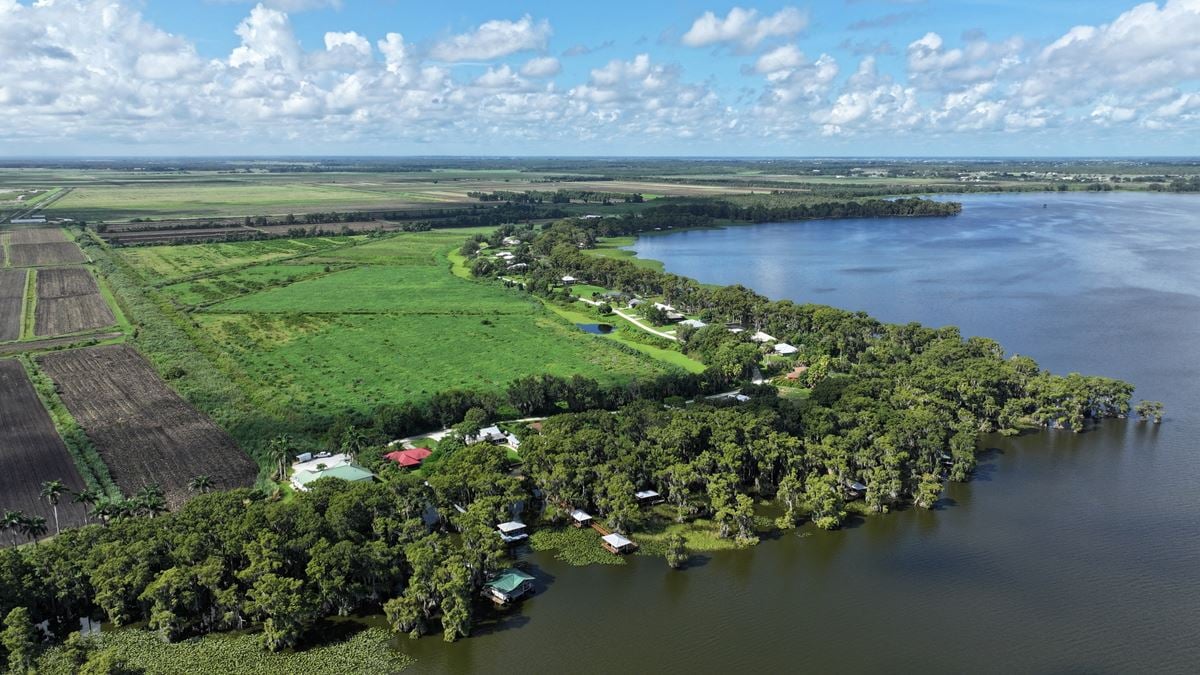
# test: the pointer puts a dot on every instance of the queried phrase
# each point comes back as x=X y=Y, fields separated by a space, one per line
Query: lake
x=1067 y=553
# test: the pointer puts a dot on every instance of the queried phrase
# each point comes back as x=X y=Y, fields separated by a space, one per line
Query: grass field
x=383 y=320
x=612 y=247
x=168 y=263
x=239 y=282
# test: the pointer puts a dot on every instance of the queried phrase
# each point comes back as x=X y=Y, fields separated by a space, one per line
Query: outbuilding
x=581 y=518
x=785 y=349
x=647 y=497
x=760 y=336
x=512 y=531
x=616 y=543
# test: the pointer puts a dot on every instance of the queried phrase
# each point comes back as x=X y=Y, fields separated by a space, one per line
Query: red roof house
x=411 y=457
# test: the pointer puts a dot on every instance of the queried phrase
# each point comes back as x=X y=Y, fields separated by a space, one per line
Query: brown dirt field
x=38 y=236
x=145 y=432
x=12 y=293
x=30 y=453
x=35 y=255
x=69 y=301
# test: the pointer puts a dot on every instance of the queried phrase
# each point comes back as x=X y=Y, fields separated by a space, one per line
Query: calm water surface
x=1067 y=554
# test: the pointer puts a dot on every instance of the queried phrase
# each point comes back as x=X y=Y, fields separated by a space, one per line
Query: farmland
x=143 y=430
x=12 y=299
x=39 y=255
x=69 y=301
x=31 y=452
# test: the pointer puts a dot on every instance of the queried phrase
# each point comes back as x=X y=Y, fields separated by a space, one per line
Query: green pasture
x=167 y=263
x=239 y=282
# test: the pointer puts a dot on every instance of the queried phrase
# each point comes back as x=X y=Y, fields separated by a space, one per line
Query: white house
x=694 y=323
x=762 y=337
x=785 y=349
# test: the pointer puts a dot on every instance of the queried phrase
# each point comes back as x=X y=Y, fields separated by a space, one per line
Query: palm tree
x=150 y=500
x=201 y=484
x=52 y=490
x=277 y=451
x=89 y=498
x=12 y=522
x=104 y=510
x=33 y=527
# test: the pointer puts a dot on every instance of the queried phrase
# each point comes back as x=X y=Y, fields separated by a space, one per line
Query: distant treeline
x=557 y=197
x=705 y=213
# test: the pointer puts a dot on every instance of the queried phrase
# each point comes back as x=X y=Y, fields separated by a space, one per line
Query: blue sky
x=828 y=77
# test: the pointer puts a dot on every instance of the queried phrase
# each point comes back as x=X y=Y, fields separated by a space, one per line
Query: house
x=568 y=279
x=785 y=349
x=616 y=543
x=518 y=266
x=647 y=497
x=409 y=458
x=855 y=489
x=694 y=323
x=325 y=465
x=581 y=518
x=762 y=337
x=490 y=434
x=512 y=531
x=509 y=585
x=634 y=302
x=510 y=241
x=665 y=308
x=504 y=255
x=674 y=316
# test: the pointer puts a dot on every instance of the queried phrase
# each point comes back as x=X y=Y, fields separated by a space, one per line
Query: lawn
x=612 y=247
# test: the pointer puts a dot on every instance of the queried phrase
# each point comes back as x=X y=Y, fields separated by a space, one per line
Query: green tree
x=929 y=489
x=11 y=522
x=284 y=608
x=20 y=640
x=1150 y=409
x=825 y=502
x=52 y=491
x=676 y=550
x=202 y=484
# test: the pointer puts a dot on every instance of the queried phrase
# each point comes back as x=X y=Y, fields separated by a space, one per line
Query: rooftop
x=509 y=580
x=616 y=540
x=345 y=472
x=511 y=526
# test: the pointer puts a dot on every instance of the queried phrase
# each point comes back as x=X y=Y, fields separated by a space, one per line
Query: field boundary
x=5 y=259
x=29 y=304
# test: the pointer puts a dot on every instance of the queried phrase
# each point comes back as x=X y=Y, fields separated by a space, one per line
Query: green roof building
x=510 y=584
x=346 y=472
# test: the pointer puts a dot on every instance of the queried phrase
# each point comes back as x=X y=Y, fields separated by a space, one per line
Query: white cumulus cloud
x=744 y=28
x=494 y=39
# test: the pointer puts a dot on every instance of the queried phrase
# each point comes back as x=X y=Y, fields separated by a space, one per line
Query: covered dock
x=512 y=531
x=617 y=543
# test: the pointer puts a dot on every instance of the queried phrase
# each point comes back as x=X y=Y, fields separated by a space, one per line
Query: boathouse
x=617 y=544
x=509 y=585
x=512 y=531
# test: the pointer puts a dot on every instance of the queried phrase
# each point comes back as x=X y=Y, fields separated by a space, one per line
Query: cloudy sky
x=669 y=77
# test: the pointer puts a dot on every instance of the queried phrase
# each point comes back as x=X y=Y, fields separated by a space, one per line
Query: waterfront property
x=618 y=544
x=509 y=585
x=581 y=518
x=512 y=531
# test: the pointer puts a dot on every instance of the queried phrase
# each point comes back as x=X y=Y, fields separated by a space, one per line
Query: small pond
x=597 y=328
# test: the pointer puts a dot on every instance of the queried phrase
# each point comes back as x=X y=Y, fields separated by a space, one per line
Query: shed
x=581 y=518
x=617 y=543
x=512 y=531
x=785 y=349
x=409 y=458
x=509 y=585
x=647 y=497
